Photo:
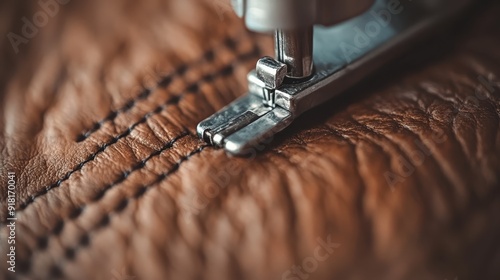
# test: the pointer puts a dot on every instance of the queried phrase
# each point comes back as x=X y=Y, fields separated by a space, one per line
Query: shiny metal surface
x=243 y=124
x=270 y=15
x=343 y=55
x=269 y=75
x=271 y=72
x=258 y=87
x=246 y=140
x=295 y=49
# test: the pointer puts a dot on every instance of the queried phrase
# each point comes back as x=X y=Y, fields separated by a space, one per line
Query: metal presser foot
x=313 y=64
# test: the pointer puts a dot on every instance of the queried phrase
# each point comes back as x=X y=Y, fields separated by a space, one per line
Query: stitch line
x=227 y=70
x=42 y=243
x=79 y=166
x=105 y=220
x=137 y=166
x=163 y=82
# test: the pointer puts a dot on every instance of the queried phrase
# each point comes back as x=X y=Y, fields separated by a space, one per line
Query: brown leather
x=98 y=122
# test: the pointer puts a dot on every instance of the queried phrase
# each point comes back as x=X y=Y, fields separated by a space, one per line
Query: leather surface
x=98 y=118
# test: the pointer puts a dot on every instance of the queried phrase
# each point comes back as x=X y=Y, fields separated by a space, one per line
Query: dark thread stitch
x=84 y=240
x=174 y=100
x=24 y=266
x=121 y=206
x=182 y=69
x=129 y=105
x=175 y=167
x=98 y=195
x=139 y=193
x=42 y=242
x=69 y=253
x=58 y=228
x=208 y=56
x=122 y=178
x=165 y=81
x=193 y=88
x=105 y=221
x=224 y=71
x=166 y=174
x=230 y=42
x=112 y=114
x=143 y=95
x=55 y=272
x=162 y=176
x=76 y=212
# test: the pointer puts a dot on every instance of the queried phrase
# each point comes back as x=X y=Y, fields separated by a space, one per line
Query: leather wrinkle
x=368 y=225
x=457 y=100
x=453 y=133
x=174 y=100
x=401 y=151
x=455 y=103
x=418 y=137
x=85 y=239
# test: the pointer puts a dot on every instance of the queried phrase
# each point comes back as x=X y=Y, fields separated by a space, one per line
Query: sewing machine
x=322 y=47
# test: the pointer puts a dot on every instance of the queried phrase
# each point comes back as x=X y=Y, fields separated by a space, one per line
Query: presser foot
x=247 y=122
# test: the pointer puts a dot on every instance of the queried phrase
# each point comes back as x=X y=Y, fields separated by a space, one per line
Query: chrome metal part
x=295 y=49
x=271 y=72
x=269 y=75
x=243 y=124
x=270 y=15
x=342 y=55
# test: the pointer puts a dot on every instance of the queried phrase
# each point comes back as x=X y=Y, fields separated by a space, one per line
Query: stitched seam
x=163 y=82
x=137 y=166
x=105 y=221
x=59 y=225
x=174 y=100
x=92 y=157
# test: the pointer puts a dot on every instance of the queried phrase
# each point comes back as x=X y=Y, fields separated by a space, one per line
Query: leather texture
x=396 y=179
